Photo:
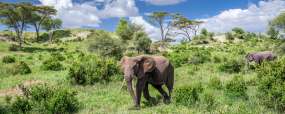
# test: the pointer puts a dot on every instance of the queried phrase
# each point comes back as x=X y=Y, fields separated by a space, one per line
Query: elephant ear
x=122 y=62
x=148 y=64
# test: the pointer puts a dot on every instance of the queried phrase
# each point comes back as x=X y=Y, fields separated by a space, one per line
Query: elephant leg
x=146 y=92
x=162 y=92
x=139 y=88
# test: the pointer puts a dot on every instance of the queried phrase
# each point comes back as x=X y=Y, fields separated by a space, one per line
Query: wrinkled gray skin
x=154 y=70
x=258 y=57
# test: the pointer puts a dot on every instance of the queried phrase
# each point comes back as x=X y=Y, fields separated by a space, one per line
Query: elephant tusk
x=122 y=85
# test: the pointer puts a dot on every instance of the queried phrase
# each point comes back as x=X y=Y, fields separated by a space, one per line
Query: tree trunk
x=37 y=32
x=50 y=36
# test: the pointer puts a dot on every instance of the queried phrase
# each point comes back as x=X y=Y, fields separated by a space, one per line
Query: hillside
x=209 y=67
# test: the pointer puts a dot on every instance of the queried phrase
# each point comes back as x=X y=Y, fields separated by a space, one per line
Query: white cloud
x=163 y=2
x=87 y=14
x=254 y=19
x=152 y=31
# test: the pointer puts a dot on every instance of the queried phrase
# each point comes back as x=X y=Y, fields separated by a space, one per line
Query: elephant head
x=136 y=67
x=249 y=57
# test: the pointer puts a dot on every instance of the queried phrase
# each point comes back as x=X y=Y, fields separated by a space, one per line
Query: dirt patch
x=20 y=88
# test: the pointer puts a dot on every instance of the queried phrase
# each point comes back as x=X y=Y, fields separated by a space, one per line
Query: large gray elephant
x=154 y=70
x=258 y=57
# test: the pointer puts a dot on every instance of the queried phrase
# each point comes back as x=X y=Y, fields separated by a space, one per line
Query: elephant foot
x=134 y=108
x=166 y=101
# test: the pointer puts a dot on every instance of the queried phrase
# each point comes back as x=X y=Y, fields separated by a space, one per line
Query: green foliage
x=47 y=99
x=273 y=33
x=21 y=105
x=8 y=59
x=123 y=30
x=239 y=32
x=14 y=47
x=216 y=59
x=271 y=84
x=52 y=64
x=92 y=69
x=200 y=57
x=279 y=21
x=229 y=36
x=215 y=82
x=142 y=42
x=21 y=68
x=236 y=87
x=187 y=95
x=105 y=45
x=232 y=66
x=204 y=32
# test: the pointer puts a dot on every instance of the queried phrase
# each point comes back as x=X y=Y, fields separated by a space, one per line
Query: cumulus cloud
x=254 y=19
x=163 y=2
x=88 y=14
x=152 y=31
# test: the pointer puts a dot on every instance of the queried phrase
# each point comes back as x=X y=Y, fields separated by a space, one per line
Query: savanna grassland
x=63 y=71
x=209 y=78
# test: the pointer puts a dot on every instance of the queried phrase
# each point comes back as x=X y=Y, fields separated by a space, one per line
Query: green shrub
x=217 y=59
x=236 y=87
x=50 y=99
x=200 y=57
x=230 y=36
x=232 y=66
x=215 y=82
x=106 y=45
x=14 y=47
x=178 y=59
x=57 y=56
x=21 y=105
x=187 y=95
x=271 y=86
x=52 y=64
x=21 y=68
x=92 y=69
x=8 y=59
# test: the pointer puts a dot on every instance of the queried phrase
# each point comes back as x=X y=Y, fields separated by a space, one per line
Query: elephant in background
x=258 y=57
x=154 y=70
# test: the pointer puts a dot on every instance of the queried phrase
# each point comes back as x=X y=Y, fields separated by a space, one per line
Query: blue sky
x=219 y=15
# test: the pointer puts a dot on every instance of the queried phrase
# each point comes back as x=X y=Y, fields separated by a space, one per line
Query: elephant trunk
x=130 y=89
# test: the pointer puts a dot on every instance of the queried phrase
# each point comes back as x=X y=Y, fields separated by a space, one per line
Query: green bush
x=271 y=86
x=8 y=59
x=187 y=95
x=200 y=57
x=57 y=56
x=47 y=99
x=21 y=105
x=178 y=59
x=14 y=47
x=231 y=66
x=52 y=64
x=92 y=69
x=104 y=44
x=215 y=82
x=21 y=68
x=236 y=87
x=217 y=59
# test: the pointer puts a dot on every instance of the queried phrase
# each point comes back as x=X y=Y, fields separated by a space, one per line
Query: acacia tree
x=50 y=25
x=16 y=16
x=279 y=22
x=186 y=27
x=160 y=19
x=40 y=14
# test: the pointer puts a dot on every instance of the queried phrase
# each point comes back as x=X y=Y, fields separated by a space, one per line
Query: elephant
x=259 y=57
x=154 y=70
